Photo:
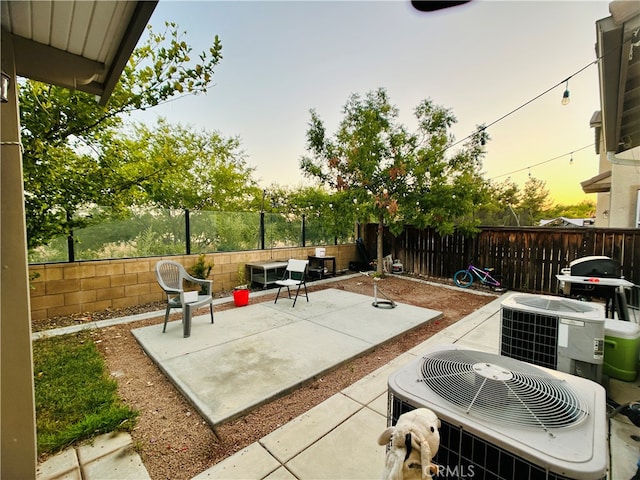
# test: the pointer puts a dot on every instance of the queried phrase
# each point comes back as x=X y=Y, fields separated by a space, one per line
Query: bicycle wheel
x=503 y=286
x=463 y=278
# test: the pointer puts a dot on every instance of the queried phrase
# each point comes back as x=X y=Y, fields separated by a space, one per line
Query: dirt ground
x=173 y=439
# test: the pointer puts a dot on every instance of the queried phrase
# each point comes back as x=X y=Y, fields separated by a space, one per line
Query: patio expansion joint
x=312 y=444
x=281 y=464
x=374 y=345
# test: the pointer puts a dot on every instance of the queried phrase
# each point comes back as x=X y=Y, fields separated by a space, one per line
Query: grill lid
x=502 y=389
x=595 y=266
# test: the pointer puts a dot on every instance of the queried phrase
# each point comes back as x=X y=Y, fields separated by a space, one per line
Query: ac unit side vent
x=464 y=455
x=530 y=337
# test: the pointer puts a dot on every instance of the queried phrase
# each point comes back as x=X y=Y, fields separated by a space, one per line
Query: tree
x=65 y=133
x=583 y=209
x=180 y=168
x=534 y=200
x=507 y=205
x=501 y=202
x=391 y=174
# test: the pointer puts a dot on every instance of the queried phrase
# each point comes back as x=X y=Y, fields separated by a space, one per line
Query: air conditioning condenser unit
x=554 y=332
x=502 y=418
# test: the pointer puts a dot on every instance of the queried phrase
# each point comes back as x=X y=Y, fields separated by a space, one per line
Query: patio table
x=267 y=272
x=318 y=265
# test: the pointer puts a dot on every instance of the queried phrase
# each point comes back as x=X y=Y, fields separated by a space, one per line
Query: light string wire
x=485 y=127
x=541 y=163
x=523 y=105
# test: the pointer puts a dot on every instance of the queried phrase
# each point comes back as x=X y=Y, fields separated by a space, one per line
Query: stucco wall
x=79 y=287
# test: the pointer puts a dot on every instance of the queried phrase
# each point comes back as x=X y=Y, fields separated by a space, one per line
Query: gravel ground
x=173 y=439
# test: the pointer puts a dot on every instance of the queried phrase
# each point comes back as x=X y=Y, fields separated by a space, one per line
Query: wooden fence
x=528 y=257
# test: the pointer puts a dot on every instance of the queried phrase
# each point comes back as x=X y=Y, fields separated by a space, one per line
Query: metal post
x=70 y=243
x=71 y=248
x=304 y=230
x=262 y=230
x=187 y=230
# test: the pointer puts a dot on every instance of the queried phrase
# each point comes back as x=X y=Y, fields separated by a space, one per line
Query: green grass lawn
x=75 y=397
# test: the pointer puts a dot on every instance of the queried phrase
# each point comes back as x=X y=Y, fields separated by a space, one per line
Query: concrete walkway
x=108 y=457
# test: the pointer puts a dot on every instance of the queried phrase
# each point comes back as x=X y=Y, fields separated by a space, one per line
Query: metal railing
x=171 y=232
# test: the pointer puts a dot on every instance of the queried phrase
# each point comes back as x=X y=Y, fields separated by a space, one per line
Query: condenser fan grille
x=502 y=389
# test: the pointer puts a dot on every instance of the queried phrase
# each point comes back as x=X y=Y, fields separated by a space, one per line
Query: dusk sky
x=481 y=60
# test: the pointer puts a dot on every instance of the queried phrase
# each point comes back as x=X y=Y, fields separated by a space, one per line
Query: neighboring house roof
x=598 y=184
x=618 y=50
x=78 y=44
x=567 y=222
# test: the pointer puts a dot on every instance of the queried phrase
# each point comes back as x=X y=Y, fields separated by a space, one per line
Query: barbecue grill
x=597 y=277
x=603 y=267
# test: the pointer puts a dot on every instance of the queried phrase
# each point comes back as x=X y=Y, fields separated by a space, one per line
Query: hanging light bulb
x=565 y=95
x=571 y=159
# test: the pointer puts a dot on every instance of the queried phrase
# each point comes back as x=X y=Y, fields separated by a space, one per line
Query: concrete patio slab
x=253 y=354
x=224 y=381
x=229 y=326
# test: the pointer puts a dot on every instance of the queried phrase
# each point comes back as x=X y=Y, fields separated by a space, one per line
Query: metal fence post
x=187 y=230
x=262 y=232
x=71 y=248
x=304 y=230
x=70 y=243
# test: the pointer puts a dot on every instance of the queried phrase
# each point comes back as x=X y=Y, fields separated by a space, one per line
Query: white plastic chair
x=294 y=276
x=171 y=276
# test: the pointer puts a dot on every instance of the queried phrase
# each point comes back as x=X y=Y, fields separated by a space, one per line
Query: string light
x=565 y=95
x=542 y=163
x=571 y=159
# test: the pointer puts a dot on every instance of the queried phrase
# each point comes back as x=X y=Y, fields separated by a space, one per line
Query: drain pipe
x=611 y=156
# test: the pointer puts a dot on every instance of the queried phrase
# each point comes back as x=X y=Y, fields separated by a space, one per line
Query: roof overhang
x=618 y=51
x=599 y=184
x=78 y=44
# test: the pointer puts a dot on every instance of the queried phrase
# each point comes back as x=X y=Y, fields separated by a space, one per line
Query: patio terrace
x=313 y=445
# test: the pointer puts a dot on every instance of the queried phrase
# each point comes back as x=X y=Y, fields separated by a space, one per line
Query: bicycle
x=464 y=278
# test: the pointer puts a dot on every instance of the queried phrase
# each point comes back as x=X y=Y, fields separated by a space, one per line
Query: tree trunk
x=379 y=244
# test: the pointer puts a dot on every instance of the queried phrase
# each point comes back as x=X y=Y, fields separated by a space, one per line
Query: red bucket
x=241 y=297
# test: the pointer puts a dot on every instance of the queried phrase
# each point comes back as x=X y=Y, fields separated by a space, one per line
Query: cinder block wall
x=82 y=287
